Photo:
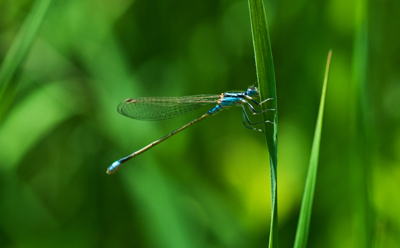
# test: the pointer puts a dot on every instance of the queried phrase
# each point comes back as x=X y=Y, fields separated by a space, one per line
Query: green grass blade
x=267 y=86
x=306 y=204
x=21 y=45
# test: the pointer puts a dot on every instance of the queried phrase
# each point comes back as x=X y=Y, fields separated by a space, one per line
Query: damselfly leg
x=255 y=112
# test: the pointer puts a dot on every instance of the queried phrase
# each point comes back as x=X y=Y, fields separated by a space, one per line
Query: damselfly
x=161 y=108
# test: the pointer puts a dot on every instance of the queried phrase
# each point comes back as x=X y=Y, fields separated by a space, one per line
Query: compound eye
x=252 y=91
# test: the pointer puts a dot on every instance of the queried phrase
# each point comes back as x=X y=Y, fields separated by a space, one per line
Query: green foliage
x=20 y=47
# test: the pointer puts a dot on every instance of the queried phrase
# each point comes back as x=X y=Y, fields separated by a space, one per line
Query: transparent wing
x=162 y=108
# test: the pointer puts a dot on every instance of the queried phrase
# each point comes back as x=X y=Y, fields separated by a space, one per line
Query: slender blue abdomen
x=214 y=110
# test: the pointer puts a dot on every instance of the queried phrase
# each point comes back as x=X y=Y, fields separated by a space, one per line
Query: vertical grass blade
x=308 y=196
x=21 y=45
x=267 y=86
x=360 y=140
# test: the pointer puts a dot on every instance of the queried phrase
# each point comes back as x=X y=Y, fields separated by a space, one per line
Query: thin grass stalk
x=267 y=85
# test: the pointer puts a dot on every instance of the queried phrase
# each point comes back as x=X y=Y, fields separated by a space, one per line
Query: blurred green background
x=209 y=185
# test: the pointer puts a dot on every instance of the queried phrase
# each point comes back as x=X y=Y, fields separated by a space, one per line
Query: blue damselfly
x=162 y=108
